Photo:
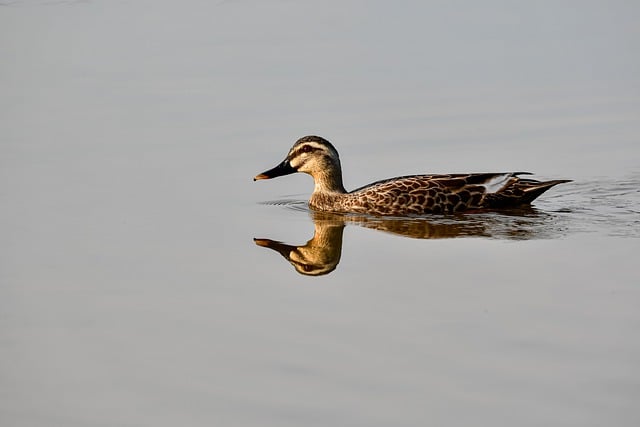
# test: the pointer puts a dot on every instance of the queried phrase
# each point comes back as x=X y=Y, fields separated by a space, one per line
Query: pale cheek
x=303 y=166
x=295 y=163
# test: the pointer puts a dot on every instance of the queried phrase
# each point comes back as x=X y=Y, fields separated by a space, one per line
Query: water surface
x=133 y=291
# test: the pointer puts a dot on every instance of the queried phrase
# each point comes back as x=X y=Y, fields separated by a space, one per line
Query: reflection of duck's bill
x=283 y=168
x=280 y=247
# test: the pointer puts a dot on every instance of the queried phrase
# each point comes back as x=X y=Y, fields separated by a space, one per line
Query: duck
x=409 y=195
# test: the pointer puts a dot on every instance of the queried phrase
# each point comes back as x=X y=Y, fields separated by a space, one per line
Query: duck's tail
x=532 y=189
x=520 y=191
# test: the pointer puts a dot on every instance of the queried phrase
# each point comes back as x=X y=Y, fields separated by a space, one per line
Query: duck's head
x=311 y=154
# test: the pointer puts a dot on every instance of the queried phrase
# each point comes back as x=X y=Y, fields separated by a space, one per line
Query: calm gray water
x=146 y=280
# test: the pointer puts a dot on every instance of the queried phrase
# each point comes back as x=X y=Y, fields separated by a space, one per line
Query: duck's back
x=421 y=194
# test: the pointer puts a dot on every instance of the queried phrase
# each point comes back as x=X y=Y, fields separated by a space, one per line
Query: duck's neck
x=328 y=180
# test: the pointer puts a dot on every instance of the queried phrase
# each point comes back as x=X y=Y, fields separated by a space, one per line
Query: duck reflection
x=322 y=253
x=318 y=256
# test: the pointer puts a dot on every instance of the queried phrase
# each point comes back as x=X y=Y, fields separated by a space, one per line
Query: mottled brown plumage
x=405 y=195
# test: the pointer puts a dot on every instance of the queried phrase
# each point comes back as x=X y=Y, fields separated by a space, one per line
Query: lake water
x=146 y=280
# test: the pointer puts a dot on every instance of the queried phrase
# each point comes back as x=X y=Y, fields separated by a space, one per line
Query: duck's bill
x=283 y=168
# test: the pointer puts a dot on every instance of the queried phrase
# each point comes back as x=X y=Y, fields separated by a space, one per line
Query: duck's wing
x=499 y=190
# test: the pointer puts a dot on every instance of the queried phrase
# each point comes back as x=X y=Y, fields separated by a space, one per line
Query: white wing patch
x=496 y=183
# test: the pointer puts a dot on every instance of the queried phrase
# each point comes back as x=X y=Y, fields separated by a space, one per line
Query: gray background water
x=132 y=293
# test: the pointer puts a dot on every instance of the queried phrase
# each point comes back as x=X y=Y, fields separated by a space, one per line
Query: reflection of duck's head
x=318 y=256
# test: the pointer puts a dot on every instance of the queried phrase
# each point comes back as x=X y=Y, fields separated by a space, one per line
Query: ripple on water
x=298 y=204
x=603 y=205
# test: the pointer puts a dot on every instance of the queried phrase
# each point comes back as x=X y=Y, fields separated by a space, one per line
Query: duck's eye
x=306 y=149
